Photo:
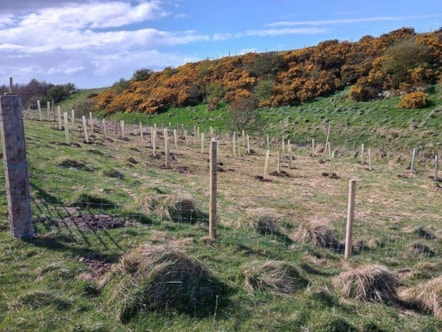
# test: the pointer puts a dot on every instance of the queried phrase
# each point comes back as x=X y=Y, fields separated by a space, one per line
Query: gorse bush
x=416 y=99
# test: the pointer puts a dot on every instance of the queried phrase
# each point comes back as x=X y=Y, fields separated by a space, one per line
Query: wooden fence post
x=327 y=139
x=73 y=116
x=122 y=129
x=202 y=143
x=369 y=160
x=91 y=118
x=86 y=136
x=48 y=110
x=413 y=161
x=266 y=165
x=141 y=131
x=175 y=138
x=59 y=118
x=166 y=147
x=213 y=189
x=40 y=117
x=436 y=168
x=104 y=129
x=350 y=218
x=154 y=140
x=16 y=167
x=66 y=128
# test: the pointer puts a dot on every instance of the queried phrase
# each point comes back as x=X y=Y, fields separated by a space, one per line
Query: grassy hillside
x=72 y=276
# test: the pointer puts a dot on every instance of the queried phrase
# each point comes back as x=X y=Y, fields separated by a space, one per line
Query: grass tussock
x=317 y=234
x=169 y=208
x=275 y=276
x=160 y=278
x=426 y=296
x=373 y=283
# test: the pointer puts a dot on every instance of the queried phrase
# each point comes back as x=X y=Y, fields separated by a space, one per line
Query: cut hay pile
x=426 y=296
x=160 y=278
x=275 y=276
x=374 y=283
x=169 y=208
x=318 y=234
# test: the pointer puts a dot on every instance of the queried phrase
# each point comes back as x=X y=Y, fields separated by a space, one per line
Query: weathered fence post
x=202 y=143
x=369 y=160
x=362 y=154
x=73 y=116
x=266 y=165
x=350 y=218
x=16 y=167
x=86 y=136
x=166 y=147
x=40 y=117
x=213 y=189
x=59 y=118
x=66 y=128
x=327 y=139
x=91 y=117
x=104 y=129
x=175 y=138
x=248 y=144
x=122 y=129
x=436 y=168
x=48 y=110
x=141 y=131
x=413 y=161
x=154 y=140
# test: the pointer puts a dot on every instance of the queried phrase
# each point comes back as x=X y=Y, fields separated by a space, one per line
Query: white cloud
x=348 y=21
x=280 y=32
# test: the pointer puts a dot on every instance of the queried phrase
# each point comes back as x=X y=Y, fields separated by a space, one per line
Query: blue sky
x=94 y=43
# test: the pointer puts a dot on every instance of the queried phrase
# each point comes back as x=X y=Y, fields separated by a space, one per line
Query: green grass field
x=56 y=282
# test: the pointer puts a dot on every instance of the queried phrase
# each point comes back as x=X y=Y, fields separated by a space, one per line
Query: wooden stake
x=213 y=189
x=234 y=144
x=40 y=117
x=289 y=149
x=268 y=141
x=326 y=141
x=202 y=143
x=73 y=116
x=278 y=169
x=16 y=167
x=413 y=161
x=66 y=128
x=91 y=118
x=175 y=138
x=362 y=154
x=141 y=131
x=86 y=136
x=436 y=168
x=313 y=147
x=60 y=126
x=48 y=111
x=104 y=129
x=369 y=160
x=166 y=147
x=154 y=140
x=350 y=218
x=248 y=144
x=266 y=165
x=122 y=129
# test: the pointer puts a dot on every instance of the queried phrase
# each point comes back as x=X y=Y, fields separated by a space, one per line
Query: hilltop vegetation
x=400 y=61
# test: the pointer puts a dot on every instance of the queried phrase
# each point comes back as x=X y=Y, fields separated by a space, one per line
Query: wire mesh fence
x=72 y=191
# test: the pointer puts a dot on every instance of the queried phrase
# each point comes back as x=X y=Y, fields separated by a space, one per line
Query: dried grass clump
x=320 y=235
x=275 y=276
x=160 y=278
x=426 y=296
x=166 y=207
x=374 y=283
x=418 y=248
x=419 y=231
x=266 y=225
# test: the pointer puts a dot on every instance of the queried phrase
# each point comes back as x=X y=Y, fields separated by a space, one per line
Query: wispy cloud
x=280 y=32
x=349 y=20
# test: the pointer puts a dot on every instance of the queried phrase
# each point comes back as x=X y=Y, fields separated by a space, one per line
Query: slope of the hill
x=399 y=61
